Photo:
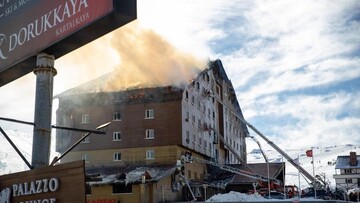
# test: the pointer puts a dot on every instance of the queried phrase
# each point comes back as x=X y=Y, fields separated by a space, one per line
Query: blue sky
x=295 y=65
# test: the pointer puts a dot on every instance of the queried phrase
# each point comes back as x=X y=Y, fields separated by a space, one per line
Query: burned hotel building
x=151 y=128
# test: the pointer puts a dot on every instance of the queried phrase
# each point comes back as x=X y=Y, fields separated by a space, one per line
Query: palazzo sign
x=28 y=27
x=53 y=184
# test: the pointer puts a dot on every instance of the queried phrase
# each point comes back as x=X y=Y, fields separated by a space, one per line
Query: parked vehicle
x=320 y=194
x=274 y=195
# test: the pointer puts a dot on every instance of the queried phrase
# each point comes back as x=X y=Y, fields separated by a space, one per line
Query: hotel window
x=348 y=180
x=193 y=119
x=116 y=136
x=117 y=156
x=198 y=86
x=149 y=134
x=186 y=95
x=348 y=171
x=187 y=137
x=85 y=157
x=149 y=113
x=150 y=154
x=85 y=118
x=117 y=116
x=192 y=100
x=88 y=189
x=86 y=140
x=187 y=116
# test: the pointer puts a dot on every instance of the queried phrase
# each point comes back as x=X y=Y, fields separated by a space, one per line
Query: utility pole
x=45 y=73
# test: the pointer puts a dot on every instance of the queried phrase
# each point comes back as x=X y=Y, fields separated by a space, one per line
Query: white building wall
x=200 y=114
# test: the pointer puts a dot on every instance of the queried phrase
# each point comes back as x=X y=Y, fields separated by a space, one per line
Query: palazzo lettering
x=35 y=187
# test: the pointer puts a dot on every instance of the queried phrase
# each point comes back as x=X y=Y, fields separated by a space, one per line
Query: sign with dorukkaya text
x=57 y=27
x=52 y=184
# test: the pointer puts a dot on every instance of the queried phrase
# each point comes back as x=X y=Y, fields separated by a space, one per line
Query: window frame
x=117 y=116
x=149 y=114
x=85 y=118
x=117 y=134
x=117 y=156
x=86 y=140
x=150 y=154
x=149 y=134
x=85 y=158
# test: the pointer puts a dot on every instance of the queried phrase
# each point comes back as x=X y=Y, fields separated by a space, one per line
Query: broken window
x=121 y=188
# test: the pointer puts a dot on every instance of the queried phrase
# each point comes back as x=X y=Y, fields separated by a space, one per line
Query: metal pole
x=45 y=73
x=16 y=149
x=314 y=173
x=299 y=190
x=282 y=159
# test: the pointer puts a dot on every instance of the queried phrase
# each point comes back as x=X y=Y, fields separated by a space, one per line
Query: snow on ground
x=324 y=159
x=236 y=197
x=10 y=161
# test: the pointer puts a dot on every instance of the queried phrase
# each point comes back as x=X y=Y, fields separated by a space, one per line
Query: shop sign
x=52 y=184
x=28 y=27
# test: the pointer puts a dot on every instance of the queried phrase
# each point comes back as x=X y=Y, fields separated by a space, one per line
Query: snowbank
x=234 y=197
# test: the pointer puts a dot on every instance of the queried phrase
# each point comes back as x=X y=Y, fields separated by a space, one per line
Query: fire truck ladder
x=231 y=149
x=287 y=157
x=238 y=171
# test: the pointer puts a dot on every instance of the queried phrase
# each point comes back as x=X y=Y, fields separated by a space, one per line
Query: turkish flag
x=309 y=153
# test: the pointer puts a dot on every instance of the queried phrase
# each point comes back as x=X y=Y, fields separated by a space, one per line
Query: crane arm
x=284 y=154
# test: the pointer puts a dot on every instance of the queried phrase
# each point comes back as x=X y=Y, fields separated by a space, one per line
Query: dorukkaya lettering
x=3 y=3
x=40 y=26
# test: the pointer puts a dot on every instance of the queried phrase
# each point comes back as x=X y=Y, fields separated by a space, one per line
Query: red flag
x=309 y=153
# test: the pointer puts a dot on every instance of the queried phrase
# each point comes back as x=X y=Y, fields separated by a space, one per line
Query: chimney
x=353 y=159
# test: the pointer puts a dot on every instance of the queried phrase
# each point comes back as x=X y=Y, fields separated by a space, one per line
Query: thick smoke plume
x=147 y=60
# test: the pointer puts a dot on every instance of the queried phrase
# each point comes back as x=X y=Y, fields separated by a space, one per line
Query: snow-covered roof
x=343 y=162
x=257 y=168
x=124 y=175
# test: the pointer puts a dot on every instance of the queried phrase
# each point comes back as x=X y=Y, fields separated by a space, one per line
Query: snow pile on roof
x=235 y=197
x=153 y=173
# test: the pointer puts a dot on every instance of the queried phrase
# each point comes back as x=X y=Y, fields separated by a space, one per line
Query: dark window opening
x=121 y=188
x=88 y=189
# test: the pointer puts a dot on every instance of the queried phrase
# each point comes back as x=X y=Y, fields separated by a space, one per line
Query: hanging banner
x=52 y=184
x=57 y=27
